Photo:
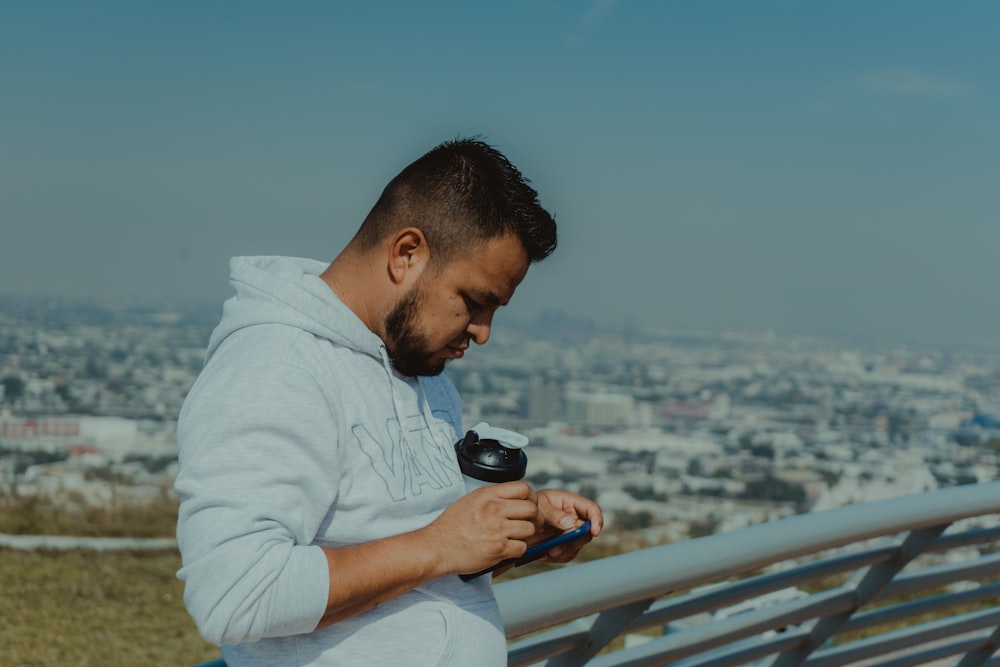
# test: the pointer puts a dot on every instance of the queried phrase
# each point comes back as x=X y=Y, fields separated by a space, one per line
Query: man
x=323 y=519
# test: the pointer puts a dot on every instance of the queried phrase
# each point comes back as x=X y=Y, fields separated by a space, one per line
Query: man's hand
x=562 y=511
x=479 y=530
x=485 y=527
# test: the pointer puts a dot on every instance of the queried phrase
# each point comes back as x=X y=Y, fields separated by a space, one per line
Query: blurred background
x=802 y=167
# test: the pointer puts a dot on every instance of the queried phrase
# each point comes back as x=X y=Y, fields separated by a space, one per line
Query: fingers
x=515 y=490
x=484 y=527
x=567 y=510
x=587 y=509
x=560 y=556
x=563 y=511
x=521 y=492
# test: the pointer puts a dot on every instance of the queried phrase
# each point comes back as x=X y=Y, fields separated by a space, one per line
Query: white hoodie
x=299 y=433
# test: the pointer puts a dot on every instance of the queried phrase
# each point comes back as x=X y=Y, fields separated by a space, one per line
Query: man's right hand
x=478 y=531
x=485 y=527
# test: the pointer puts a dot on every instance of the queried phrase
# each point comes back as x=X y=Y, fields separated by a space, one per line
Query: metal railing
x=906 y=581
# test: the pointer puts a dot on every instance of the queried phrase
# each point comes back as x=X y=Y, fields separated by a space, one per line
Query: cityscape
x=677 y=434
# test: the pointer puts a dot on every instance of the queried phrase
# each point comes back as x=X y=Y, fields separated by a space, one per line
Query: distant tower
x=600 y=409
x=544 y=400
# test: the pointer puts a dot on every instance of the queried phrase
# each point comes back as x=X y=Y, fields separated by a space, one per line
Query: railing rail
x=886 y=550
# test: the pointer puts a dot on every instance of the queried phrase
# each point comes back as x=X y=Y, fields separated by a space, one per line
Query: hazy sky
x=802 y=166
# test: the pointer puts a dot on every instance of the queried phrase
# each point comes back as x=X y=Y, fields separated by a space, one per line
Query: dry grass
x=83 y=608
x=70 y=514
x=79 y=608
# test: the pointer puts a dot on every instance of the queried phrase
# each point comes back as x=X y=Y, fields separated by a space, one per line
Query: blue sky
x=806 y=167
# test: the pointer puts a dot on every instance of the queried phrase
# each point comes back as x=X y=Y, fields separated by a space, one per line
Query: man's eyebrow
x=487 y=298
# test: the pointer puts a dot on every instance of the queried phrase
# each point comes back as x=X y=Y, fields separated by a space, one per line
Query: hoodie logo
x=407 y=468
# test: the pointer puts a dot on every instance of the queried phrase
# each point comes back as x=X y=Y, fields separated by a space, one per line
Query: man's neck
x=349 y=277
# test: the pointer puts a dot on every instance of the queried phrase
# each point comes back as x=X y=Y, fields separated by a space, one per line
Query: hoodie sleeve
x=258 y=471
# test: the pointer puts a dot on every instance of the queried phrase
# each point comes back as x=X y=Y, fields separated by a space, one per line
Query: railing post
x=605 y=627
x=981 y=655
x=868 y=585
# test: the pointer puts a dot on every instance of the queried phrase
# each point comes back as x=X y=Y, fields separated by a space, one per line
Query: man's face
x=450 y=306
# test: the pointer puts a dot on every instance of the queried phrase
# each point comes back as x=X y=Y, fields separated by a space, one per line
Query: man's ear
x=408 y=256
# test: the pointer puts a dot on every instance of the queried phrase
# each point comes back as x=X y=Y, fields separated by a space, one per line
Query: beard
x=408 y=350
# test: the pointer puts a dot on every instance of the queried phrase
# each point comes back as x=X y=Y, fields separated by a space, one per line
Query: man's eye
x=472 y=305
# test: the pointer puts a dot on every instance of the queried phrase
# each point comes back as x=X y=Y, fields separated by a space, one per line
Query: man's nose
x=479 y=329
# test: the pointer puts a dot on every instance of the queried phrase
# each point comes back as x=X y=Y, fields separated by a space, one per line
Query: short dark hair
x=460 y=193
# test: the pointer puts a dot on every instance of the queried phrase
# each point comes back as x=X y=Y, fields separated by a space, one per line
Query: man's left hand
x=562 y=511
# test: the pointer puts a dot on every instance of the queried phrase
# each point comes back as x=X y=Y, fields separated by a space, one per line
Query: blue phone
x=536 y=551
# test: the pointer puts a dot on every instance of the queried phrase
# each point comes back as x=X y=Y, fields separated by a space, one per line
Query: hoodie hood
x=288 y=290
